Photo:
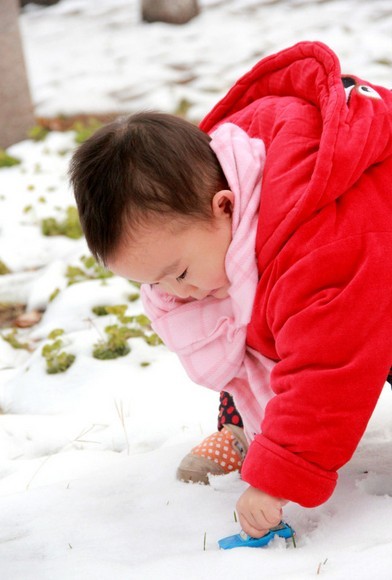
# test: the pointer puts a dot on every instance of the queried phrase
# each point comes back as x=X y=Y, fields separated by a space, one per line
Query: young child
x=263 y=241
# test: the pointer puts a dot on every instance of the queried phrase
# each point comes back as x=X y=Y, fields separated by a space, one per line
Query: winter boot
x=221 y=453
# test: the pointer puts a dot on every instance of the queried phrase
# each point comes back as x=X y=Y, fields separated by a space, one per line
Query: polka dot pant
x=228 y=414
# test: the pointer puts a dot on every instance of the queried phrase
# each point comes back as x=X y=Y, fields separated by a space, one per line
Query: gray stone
x=170 y=11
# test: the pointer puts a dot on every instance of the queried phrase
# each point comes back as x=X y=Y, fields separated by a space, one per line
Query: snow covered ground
x=96 y=55
x=88 y=457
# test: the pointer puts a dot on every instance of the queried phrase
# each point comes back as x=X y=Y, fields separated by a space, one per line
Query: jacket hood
x=322 y=132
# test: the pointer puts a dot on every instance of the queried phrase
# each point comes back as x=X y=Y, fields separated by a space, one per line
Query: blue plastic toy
x=242 y=540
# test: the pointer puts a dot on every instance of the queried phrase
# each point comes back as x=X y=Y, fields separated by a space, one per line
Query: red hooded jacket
x=323 y=307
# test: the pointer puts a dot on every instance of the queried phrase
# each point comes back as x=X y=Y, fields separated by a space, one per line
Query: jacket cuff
x=282 y=474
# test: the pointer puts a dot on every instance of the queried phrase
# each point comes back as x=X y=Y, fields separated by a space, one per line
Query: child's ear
x=222 y=203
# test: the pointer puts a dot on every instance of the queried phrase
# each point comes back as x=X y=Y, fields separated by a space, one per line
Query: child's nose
x=180 y=290
x=183 y=291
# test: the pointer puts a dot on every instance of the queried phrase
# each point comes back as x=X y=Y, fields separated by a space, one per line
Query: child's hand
x=258 y=512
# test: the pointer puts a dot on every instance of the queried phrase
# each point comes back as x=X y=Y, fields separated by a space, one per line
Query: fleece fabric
x=323 y=304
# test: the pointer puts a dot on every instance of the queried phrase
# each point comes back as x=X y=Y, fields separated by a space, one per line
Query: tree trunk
x=16 y=109
x=171 y=11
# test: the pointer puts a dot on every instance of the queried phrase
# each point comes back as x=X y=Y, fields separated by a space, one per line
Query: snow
x=98 y=56
x=88 y=457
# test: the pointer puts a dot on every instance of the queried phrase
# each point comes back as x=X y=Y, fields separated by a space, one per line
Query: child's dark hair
x=146 y=165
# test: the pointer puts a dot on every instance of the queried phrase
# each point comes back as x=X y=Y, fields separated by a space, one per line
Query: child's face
x=186 y=261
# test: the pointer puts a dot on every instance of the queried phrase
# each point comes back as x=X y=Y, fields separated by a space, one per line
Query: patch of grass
x=7 y=160
x=88 y=270
x=116 y=344
x=4 y=269
x=37 y=133
x=136 y=326
x=69 y=226
x=57 y=360
x=53 y=295
x=182 y=108
x=153 y=339
x=133 y=297
x=100 y=310
x=118 y=310
x=13 y=340
x=84 y=129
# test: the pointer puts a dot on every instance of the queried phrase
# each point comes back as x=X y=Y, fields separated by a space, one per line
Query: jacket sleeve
x=330 y=314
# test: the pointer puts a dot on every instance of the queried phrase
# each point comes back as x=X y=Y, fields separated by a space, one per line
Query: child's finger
x=250 y=529
x=258 y=512
x=270 y=515
x=265 y=517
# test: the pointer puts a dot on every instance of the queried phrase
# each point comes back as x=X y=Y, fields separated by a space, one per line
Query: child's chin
x=220 y=293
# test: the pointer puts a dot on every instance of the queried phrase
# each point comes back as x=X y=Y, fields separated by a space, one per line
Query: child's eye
x=182 y=276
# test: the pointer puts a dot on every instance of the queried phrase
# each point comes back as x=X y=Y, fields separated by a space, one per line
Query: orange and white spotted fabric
x=220 y=448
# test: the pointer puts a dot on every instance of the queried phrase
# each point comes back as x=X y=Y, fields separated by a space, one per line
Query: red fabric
x=323 y=307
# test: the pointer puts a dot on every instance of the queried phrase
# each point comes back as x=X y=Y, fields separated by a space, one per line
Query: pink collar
x=209 y=335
